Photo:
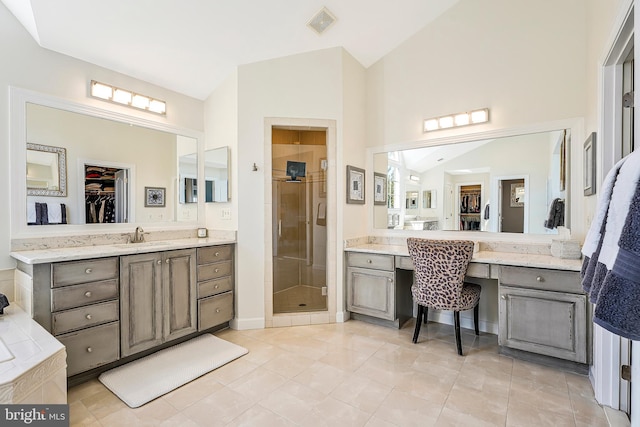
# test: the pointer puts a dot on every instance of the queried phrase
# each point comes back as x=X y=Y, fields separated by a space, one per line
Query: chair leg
x=475 y=318
x=456 y=321
x=416 y=332
x=426 y=315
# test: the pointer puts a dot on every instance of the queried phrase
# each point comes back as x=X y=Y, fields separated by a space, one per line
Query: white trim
x=605 y=370
x=246 y=324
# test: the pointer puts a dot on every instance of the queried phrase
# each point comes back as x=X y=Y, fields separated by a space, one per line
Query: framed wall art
x=355 y=185
x=379 y=189
x=154 y=197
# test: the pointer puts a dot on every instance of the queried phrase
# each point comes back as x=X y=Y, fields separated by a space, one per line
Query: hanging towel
x=556 y=214
x=617 y=308
x=593 y=242
x=614 y=282
x=54 y=213
x=31 y=213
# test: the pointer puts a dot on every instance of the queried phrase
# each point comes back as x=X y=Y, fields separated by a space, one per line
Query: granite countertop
x=41 y=256
x=487 y=257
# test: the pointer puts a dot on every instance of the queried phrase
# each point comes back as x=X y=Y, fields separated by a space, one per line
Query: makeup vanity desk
x=542 y=308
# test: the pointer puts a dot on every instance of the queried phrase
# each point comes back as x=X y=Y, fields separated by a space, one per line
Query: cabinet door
x=544 y=322
x=179 y=293
x=140 y=302
x=371 y=292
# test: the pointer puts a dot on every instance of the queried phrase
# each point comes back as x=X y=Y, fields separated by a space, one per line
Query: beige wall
x=26 y=65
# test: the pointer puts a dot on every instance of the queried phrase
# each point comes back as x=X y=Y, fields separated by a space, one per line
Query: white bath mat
x=143 y=380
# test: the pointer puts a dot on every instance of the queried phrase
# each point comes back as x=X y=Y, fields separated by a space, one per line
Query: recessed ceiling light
x=322 y=20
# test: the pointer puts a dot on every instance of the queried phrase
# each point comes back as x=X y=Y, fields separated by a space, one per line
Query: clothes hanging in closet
x=100 y=208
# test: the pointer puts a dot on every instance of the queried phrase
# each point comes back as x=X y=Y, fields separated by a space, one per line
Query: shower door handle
x=280 y=228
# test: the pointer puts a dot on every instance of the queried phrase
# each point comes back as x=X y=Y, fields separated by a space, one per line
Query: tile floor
x=357 y=374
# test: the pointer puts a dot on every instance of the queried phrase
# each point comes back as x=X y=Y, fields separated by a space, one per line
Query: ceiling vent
x=322 y=20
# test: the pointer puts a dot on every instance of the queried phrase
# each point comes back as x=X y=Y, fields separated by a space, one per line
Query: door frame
x=608 y=348
x=495 y=210
x=334 y=283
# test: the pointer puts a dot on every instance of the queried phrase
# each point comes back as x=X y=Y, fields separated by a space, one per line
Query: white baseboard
x=246 y=324
x=342 y=316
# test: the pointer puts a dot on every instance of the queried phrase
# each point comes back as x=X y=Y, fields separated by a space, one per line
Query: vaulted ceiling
x=192 y=46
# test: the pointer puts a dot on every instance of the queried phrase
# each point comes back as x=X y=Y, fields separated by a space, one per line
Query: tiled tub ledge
x=33 y=366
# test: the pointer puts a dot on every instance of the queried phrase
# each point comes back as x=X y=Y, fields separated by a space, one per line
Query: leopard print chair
x=440 y=267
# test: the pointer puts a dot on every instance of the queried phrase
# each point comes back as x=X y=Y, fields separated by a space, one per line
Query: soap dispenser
x=4 y=302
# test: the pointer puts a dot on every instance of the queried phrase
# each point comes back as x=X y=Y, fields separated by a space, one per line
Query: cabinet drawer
x=215 y=310
x=368 y=260
x=540 y=278
x=215 y=254
x=83 y=317
x=214 y=287
x=214 y=271
x=72 y=273
x=90 y=348
x=85 y=294
x=479 y=270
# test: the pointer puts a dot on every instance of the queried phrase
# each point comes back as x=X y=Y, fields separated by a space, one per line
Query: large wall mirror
x=498 y=184
x=111 y=162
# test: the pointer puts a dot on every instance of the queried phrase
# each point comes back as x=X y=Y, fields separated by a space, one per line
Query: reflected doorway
x=512 y=195
x=299 y=193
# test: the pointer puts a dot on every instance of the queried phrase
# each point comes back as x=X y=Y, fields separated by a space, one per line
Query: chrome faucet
x=138 y=235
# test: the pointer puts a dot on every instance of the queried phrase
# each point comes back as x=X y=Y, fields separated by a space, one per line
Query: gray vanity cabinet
x=84 y=311
x=370 y=285
x=157 y=298
x=543 y=311
x=215 y=286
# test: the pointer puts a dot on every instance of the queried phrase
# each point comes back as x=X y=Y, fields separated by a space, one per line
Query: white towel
x=623 y=191
x=54 y=211
x=31 y=212
x=593 y=236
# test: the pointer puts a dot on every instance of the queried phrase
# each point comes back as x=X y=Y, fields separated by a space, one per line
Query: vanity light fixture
x=456 y=120
x=128 y=98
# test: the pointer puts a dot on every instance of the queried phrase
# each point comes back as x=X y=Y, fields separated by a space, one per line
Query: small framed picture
x=355 y=185
x=379 y=188
x=154 y=197
x=589 y=166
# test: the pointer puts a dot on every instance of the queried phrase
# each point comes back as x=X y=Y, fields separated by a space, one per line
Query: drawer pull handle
x=390 y=280
x=159 y=261
x=88 y=271
x=216 y=270
x=503 y=297
x=369 y=261
x=88 y=316
x=167 y=261
x=89 y=349
x=539 y=279
x=216 y=286
x=217 y=310
x=217 y=253
x=87 y=294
